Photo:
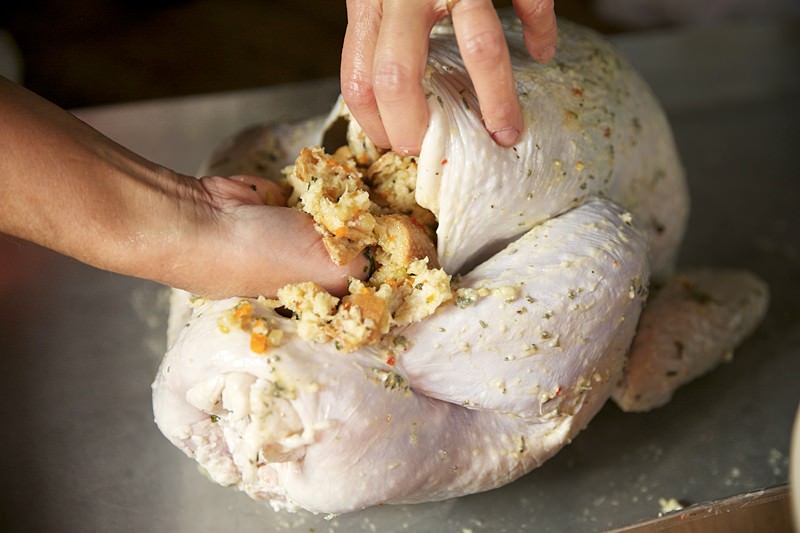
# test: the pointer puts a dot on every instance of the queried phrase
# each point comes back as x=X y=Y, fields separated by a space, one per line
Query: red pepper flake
x=607 y=133
x=559 y=390
x=443 y=161
x=390 y=360
x=577 y=91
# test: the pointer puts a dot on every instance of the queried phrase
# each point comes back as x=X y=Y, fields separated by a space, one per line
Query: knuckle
x=485 y=47
x=533 y=10
x=392 y=80
x=358 y=92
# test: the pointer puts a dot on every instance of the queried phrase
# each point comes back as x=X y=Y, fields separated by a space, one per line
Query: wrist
x=170 y=217
x=66 y=187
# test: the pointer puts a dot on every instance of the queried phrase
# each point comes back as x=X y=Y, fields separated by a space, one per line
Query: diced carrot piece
x=243 y=309
x=258 y=343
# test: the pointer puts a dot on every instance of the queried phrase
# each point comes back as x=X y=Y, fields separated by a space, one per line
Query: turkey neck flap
x=593 y=128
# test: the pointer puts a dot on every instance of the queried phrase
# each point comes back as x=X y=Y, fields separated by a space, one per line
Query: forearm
x=65 y=186
x=68 y=188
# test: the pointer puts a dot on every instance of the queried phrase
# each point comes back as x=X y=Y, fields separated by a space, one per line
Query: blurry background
x=90 y=52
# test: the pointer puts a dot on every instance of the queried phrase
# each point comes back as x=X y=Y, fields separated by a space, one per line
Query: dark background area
x=92 y=52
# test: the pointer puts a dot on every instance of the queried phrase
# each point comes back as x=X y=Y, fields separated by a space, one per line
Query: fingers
x=294 y=253
x=315 y=264
x=383 y=60
x=485 y=52
x=400 y=58
x=253 y=249
x=384 y=56
x=539 y=27
x=360 y=39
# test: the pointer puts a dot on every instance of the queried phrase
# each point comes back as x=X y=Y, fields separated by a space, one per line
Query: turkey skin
x=552 y=245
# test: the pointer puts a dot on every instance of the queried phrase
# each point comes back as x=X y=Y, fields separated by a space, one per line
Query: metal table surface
x=80 y=451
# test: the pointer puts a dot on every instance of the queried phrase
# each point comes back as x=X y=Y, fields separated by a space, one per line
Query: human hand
x=254 y=246
x=69 y=188
x=385 y=52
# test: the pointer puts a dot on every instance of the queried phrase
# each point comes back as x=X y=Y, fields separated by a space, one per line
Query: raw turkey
x=557 y=243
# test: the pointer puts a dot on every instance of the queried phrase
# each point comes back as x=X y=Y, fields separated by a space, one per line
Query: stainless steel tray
x=80 y=347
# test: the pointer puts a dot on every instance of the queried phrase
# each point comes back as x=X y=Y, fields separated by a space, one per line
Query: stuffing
x=393 y=180
x=429 y=288
x=365 y=205
x=404 y=240
x=364 y=152
x=312 y=305
x=333 y=194
x=364 y=316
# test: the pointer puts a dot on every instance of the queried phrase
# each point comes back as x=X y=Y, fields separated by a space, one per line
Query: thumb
x=258 y=249
x=312 y=262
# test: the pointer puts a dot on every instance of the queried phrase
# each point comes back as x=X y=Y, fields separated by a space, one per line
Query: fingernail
x=506 y=137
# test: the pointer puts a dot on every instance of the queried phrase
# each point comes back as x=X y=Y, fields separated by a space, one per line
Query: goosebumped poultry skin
x=690 y=325
x=593 y=129
x=555 y=240
x=305 y=426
